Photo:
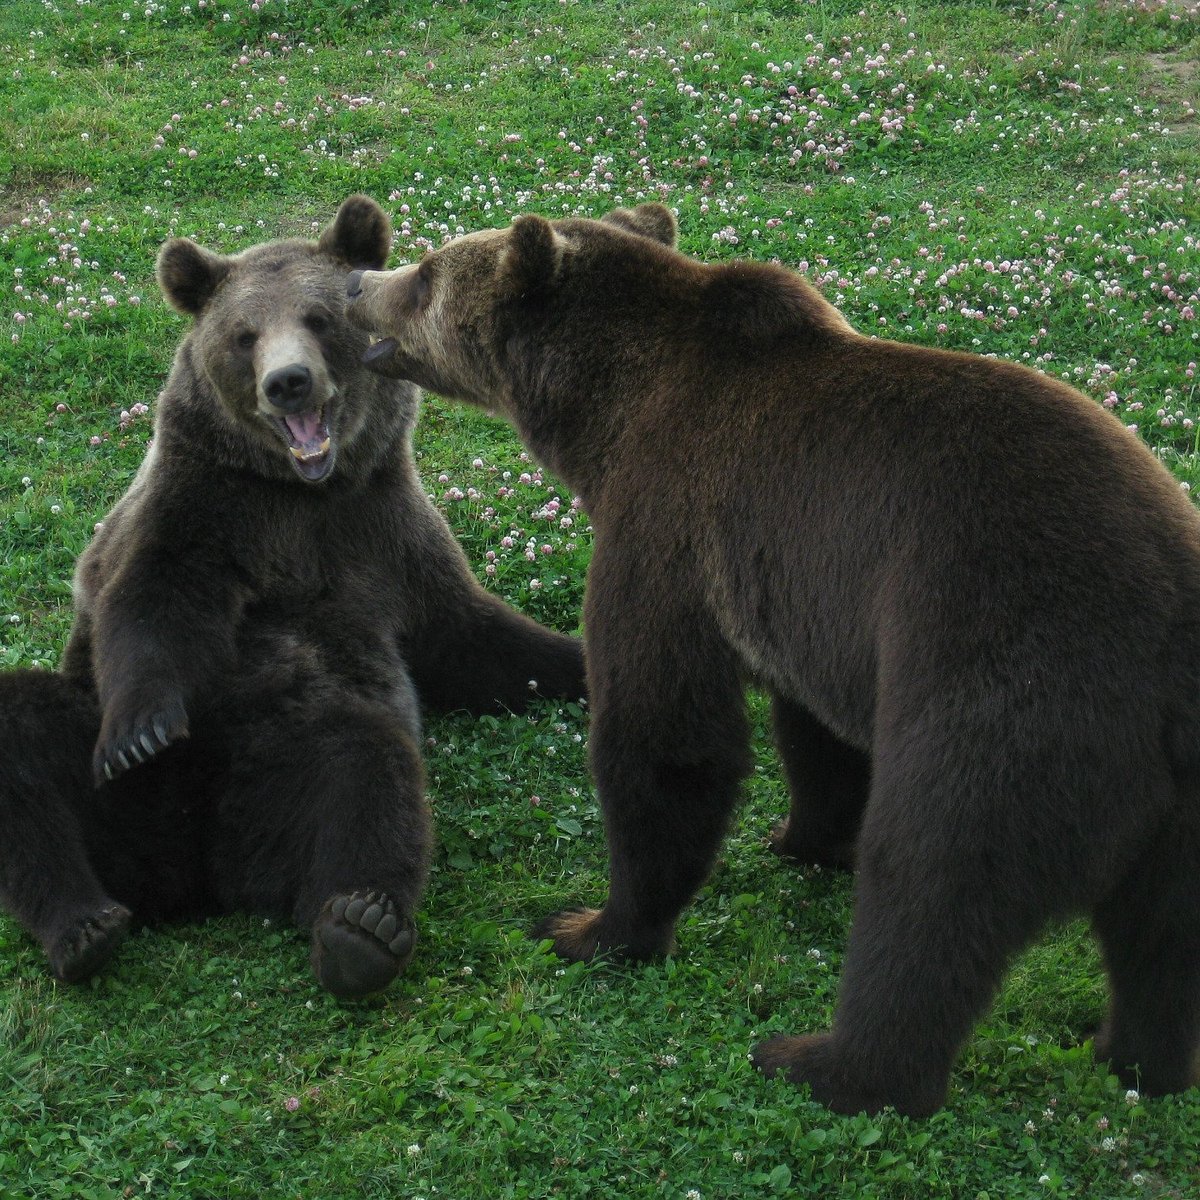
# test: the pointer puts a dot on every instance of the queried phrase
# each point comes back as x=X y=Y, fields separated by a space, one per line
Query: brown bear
x=235 y=723
x=972 y=595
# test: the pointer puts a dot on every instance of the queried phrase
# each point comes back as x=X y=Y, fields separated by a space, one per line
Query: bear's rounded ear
x=361 y=234
x=647 y=220
x=533 y=256
x=188 y=274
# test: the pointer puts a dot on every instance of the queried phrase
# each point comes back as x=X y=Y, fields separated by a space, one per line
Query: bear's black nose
x=354 y=284
x=289 y=387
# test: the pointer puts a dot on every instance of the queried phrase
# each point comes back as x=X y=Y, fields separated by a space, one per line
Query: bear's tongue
x=310 y=436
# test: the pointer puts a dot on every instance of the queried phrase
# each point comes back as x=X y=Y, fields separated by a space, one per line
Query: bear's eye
x=317 y=323
x=246 y=339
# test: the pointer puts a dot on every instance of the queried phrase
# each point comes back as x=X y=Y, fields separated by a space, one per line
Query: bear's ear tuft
x=647 y=220
x=361 y=234
x=533 y=256
x=188 y=274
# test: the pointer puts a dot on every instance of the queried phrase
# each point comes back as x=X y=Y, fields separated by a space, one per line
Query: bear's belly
x=832 y=679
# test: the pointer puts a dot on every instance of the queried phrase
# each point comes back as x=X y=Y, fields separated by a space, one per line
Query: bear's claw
x=360 y=942
x=128 y=741
x=81 y=950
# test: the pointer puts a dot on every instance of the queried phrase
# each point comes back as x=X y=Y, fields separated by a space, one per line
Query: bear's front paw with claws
x=580 y=934
x=135 y=731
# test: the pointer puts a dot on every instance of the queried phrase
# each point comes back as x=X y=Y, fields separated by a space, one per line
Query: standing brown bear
x=235 y=724
x=972 y=595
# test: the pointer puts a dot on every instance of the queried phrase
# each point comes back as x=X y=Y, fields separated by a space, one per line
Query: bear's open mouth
x=310 y=443
x=378 y=351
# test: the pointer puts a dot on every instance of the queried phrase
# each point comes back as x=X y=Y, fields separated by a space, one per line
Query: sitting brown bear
x=236 y=724
x=973 y=596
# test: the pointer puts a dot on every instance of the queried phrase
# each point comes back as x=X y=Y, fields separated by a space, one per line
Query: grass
x=1017 y=179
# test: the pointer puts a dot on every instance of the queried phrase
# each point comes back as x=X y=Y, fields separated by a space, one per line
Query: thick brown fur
x=972 y=594
x=236 y=720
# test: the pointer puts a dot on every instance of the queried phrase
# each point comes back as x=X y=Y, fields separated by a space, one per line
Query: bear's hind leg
x=1149 y=931
x=948 y=888
x=339 y=841
x=48 y=824
x=829 y=782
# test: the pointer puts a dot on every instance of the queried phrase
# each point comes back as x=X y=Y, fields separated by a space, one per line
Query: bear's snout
x=354 y=284
x=289 y=388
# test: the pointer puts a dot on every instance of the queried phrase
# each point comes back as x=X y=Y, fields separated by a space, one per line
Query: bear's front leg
x=141 y=720
x=163 y=628
x=669 y=747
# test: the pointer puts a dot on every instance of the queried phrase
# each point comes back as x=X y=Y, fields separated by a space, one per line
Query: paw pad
x=360 y=943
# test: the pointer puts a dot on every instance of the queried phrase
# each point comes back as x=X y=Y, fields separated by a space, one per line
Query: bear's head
x=272 y=339
x=452 y=322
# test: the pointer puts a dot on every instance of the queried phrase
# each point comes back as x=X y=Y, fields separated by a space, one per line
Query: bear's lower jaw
x=379 y=352
x=309 y=442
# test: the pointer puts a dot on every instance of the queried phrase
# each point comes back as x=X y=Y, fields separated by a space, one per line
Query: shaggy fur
x=973 y=596
x=236 y=722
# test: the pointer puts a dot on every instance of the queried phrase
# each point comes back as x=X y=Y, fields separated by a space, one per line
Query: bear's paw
x=835 y=1081
x=88 y=943
x=790 y=842
x=135 y=729
x=360 y=942
x=581 y=934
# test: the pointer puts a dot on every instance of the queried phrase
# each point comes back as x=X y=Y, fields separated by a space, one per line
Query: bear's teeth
x=305 y=455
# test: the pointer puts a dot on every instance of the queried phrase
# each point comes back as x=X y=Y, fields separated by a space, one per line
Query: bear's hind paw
x=360 y=942
x=790 y=844
x=88 y=943
x=817 y=1060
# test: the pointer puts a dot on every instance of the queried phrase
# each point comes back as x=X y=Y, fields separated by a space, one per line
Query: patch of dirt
x=20 y=195
x=1174 y=79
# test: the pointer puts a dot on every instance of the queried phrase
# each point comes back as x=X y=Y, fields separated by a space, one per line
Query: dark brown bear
x=973 y=596
x=235 y=724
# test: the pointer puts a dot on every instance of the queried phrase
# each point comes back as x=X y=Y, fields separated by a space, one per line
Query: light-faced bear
x=973 y=596
x=235 y=724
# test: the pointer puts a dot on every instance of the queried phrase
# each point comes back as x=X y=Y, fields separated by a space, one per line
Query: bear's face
x=445 y=322
x=271 y=334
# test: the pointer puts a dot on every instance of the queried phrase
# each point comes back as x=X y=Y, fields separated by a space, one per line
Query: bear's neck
x=573 y=437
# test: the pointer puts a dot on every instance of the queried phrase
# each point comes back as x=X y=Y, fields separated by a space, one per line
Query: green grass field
x=1017 y=179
